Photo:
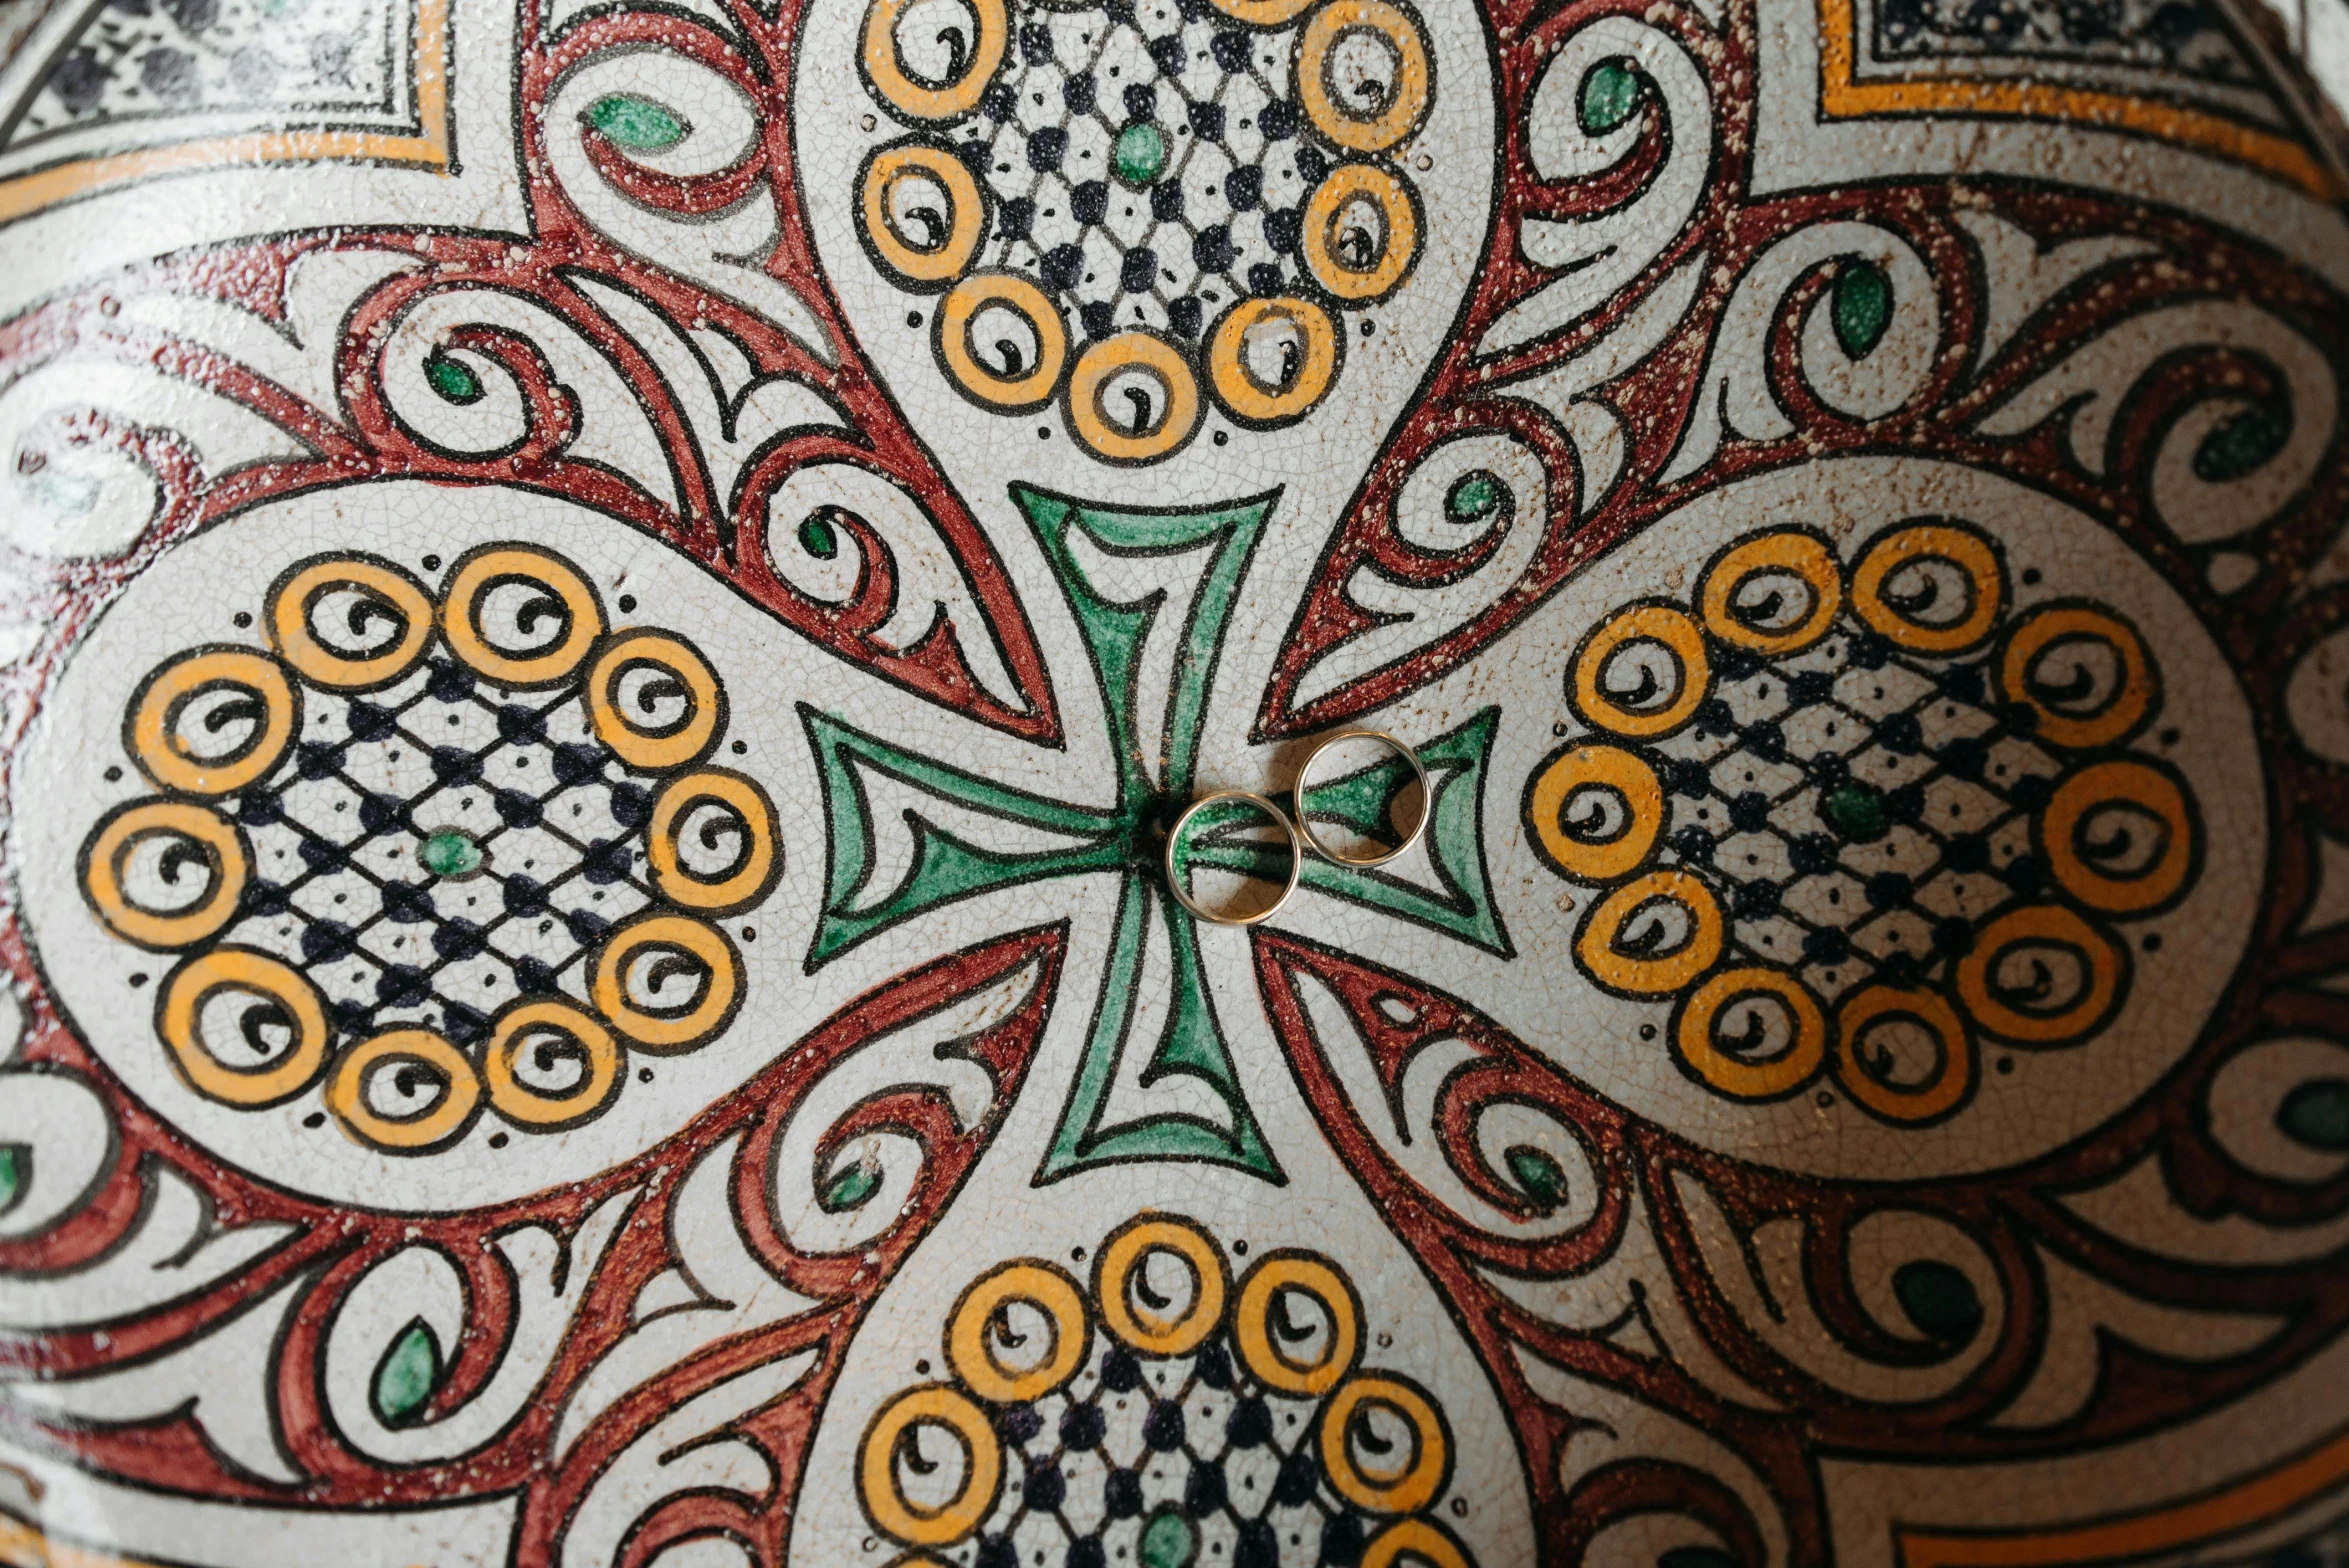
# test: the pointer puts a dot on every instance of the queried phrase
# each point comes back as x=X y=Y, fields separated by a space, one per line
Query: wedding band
x=1305 y=821
x=1174 y=881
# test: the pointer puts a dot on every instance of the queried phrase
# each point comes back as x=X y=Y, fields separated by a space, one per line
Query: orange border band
x=27 y=194
x=2262 y=1498
x=1842 y=96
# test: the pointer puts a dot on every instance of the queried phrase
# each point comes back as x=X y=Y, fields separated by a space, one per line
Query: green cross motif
x=1124 y=840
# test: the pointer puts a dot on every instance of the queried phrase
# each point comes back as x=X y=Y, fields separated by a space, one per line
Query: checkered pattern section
x=1860 y=811
x=340 y=889
x=1219 y=223
x=1090 y=1466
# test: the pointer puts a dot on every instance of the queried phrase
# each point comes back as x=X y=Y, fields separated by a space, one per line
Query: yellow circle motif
x=1953 y=1075
x=1421 y=1538
x=1002 y=389
x=516 y=1100
x=912 y=98
x=1151 y=1332
x=134 y=826
x=1259 y=1339
x=938 y=258
x=1305 y=378
x=636 y=739
x=1326 y=101
x=1669 y=630
x=384 y=586
x=751 y=874
x=2136 y=787
x=886 y=1503
x=1623 y=774
x=153 y=738
x=346 y=1091
x=179 y=1020
x=2133 y=692
x=1091 y=385
x=1264 y=13
x=1960 y=549
x=1792 y=554
x=1041 y=1286
x=1412 y=1481
x=2104 y=971
x=1324 y=237
x=381 y=585
x=501 y=565
x=1637 y=973
x=668 y=1029
x=1734 y=1075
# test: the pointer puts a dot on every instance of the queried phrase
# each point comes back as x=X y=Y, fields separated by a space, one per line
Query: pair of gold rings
x=1298 y=828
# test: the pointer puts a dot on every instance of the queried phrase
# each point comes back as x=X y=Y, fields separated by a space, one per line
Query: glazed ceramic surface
x=606 y=607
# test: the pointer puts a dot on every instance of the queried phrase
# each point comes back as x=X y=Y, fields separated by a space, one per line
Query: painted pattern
x=606 y=609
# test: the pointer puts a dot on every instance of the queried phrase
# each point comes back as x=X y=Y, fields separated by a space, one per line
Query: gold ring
x=1412 y=1483
x=1306 y=373
x=1953 y=1075
x=898 y=1515
x=750 y=875
x=1624 y=774
x=1010 y=392
x=495 y=566
x=129 y=827
x=1042 y=1286
x=1961 y=548
x=1147 y=1331
x=942 y=259
x=668 y=1029
x=656 y=748
x=1324 y=248
x=1670 y=629
x=1639 y=974
x=517 y=1101
x=2132 y=786
x=179 y=1020
x=1252 y=1324
x=1797 y=555
x=2104 y=967
x=1733 y=1075
x=2133 y=693
x=1324 y=101
x=1304 y=820
x=1174 y=881
x=949 y=100
x=346 y=1091
x=152 y=737
x=1089 y=384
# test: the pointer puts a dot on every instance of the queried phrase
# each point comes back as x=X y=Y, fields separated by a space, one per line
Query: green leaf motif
x=1476 y=496
x=851 y=1188
x=638 y=124
x=452 y=378
x=1540 y=1175
x=12 y=1170
x=2316 y=1115
x=817 y=538
x=1609 y=95
x=410 y=1371
x=2241 y=444
x=1939 y=1299
x=1862 y=307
